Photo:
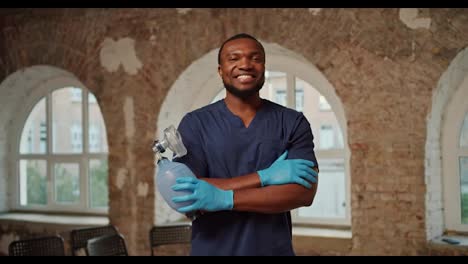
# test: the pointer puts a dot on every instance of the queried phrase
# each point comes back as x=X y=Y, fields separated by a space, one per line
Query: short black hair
x=238 y=36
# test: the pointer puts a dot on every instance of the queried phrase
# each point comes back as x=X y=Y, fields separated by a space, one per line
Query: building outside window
x=327 y=137
x=280 y=97
x=76 y=137
x=76 y=95
x=42 y=137
x=299 y=100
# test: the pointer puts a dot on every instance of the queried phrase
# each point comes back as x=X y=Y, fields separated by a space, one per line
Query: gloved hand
x=284 y=171
x=205 y=196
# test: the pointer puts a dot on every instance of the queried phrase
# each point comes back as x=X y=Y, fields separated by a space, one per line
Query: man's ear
x=219 y=71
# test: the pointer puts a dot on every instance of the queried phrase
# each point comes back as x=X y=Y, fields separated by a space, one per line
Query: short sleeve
x=195 y=157
x=301 y=141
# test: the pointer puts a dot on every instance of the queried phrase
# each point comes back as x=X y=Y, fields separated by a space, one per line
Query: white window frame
x=82 y=159
x=455 y=114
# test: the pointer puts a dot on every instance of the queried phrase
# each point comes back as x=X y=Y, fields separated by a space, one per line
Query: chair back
x=107 y=245
x=79 y=237
x=174 y=234
x=40 y=246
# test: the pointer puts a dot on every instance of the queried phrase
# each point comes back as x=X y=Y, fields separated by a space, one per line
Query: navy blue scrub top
x=220 y=146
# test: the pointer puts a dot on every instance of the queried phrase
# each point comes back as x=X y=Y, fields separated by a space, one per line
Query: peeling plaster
x=152 y=40
x=120 y=52
x=413 y=55
x=142 y=189
x=409 y=16
x=122 y=174
x=183 y=11
x=315 y=11
x=129 y=117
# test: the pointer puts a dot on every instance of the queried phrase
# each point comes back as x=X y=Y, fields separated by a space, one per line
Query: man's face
x=242 y=67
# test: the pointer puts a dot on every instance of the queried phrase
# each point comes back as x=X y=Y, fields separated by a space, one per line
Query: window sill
x=321 y=232
x=463 y=240
x=61 y=219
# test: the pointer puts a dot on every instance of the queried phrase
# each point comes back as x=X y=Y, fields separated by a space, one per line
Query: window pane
x=67 y=182
x=98 y=183
x=299 y=100
x=330 y=200
x=464 y=133
x=326 y=137
x=323 y=104
x=33 y=182
x=76 y=94
x=280 y=97
x=274 y=88
x=97 y=136
x=34 y=135
x=464 y=188
x=306 y=101
x=219 y=96
x=67 y=120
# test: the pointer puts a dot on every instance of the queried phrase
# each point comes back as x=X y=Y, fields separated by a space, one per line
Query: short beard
x=243 y=94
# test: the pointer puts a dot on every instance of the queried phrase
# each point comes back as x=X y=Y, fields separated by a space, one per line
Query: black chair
x=79 y=237
x=165 y=235
x=40 y=246
x=107 y=245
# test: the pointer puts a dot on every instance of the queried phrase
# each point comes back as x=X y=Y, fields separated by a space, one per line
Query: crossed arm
x=249 y=196
x=285 y=185
x=245 y=193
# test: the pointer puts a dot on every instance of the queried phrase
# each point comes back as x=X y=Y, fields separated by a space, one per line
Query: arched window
x=330 y=203
x=455 y=161
x=61 y=158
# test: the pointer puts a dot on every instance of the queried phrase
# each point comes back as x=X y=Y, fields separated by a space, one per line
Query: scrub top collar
x=237 y=121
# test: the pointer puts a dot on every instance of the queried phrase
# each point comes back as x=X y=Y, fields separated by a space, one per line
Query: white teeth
x=244 y=77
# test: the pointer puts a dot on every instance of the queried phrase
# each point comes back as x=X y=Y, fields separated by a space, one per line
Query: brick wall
x=384 y=64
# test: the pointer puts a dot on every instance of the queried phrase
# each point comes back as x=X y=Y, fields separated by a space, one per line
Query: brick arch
x=60 y=55
x=447 y=85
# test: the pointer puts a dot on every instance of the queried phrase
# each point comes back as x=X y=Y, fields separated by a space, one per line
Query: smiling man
x=254 y=160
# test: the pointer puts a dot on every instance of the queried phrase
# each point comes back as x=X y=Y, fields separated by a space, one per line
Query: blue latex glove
x=205 y=196
x=284 y=171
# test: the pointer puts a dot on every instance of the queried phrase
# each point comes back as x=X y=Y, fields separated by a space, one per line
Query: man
x=254 y=161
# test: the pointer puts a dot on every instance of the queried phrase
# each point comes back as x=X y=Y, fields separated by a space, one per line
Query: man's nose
x=245 y=63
